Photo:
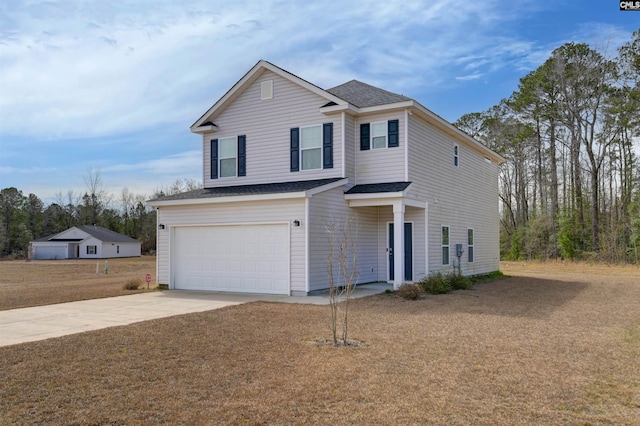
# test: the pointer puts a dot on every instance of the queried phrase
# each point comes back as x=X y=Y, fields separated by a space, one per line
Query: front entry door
x=408 y=252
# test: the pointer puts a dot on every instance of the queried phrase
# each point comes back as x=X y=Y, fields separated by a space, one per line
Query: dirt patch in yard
x=540 y=347
x=43 y=282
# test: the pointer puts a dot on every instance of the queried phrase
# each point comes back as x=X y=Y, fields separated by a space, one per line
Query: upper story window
x=227 y=154
x=381 y=134
x=228 y=157
x=311 y=147
x=456 y=154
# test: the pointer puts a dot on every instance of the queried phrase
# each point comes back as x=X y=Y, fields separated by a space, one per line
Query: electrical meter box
x=459 y=250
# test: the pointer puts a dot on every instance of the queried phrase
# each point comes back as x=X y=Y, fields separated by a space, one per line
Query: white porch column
x=398 y=244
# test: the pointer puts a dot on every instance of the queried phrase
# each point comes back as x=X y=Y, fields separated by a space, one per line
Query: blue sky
x=114 y=85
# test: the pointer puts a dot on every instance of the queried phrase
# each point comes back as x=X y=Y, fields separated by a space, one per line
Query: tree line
x=570 y=185
x=24 y=218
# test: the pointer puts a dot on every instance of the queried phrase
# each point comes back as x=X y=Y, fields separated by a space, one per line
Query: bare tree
x=96 y=198
x=343 y=275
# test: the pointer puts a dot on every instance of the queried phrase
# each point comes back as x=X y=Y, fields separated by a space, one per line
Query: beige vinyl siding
x=384 y=164
x=267 y=124
x=330 y=207
x=269 y=211
x=461 y=197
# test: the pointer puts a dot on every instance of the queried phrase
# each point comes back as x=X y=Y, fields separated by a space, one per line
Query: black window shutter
x=242 y=155
x=392 y=127
x=87 y=249
x=214 y=158
x=327 y=146
x=295 y=149
x=364 y=137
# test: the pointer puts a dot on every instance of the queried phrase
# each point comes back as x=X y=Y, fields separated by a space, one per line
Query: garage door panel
x=251 y=258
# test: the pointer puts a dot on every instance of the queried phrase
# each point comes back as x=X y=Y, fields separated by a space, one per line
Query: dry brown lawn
x=43 y=282
x=553 y=344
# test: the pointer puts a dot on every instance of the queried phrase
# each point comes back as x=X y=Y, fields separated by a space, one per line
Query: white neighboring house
x=85 y=242
x=283 y=158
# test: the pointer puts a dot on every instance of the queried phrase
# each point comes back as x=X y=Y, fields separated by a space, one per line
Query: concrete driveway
x=44 y=322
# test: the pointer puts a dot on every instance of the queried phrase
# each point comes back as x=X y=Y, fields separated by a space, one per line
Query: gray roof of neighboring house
x=372 y=188
x=262 y=188
x=106 y=235
x=364 y=95
x=98 y=232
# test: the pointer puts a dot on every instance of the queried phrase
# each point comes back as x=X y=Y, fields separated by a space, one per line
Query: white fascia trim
x=201 y=130
x=381 y=200
x=387 y=107
x=376 y=195
x=231 y=199
x=341 y=107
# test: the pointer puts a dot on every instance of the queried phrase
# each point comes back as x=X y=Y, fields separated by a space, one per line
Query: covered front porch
x=397 y=222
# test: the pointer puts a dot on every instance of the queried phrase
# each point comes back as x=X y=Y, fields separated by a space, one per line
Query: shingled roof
x=98 y=232
x=373 y=188
x=258 y=189
x=363 y=95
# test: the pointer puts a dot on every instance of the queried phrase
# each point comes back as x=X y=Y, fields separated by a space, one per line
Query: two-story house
x=283 y=159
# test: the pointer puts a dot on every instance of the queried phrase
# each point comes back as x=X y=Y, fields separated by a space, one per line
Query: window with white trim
x=227 y=156
x=311 y=147
x=445 y=245
x=379 y=135
x=456 y=155
x=470 y=245
x=92 y=249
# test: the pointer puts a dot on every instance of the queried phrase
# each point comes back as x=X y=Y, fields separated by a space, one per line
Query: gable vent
x=266 y=91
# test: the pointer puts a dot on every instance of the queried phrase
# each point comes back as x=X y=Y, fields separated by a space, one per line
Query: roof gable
x=80 y=233
x=207 y=120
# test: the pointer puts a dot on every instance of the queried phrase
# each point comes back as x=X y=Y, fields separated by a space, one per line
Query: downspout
x=306 y=245
x=355 y=152
x=426 y=238
x=406 y=144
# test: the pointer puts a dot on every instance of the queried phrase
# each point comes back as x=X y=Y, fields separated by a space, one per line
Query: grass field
x=42 y=282
x=552 y=344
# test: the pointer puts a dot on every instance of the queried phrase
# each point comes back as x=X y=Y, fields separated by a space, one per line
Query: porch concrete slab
x=45 y=322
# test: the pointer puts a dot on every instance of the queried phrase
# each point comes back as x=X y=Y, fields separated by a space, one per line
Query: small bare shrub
x=133 y=284
x=435 y=284
x=459 y=282
x=410 y=291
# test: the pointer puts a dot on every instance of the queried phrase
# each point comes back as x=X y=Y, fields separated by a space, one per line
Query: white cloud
x=94 y=68
x=469 y=77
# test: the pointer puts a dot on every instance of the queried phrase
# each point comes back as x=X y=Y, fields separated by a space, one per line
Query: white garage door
x=49 y=252
x=246 y=258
